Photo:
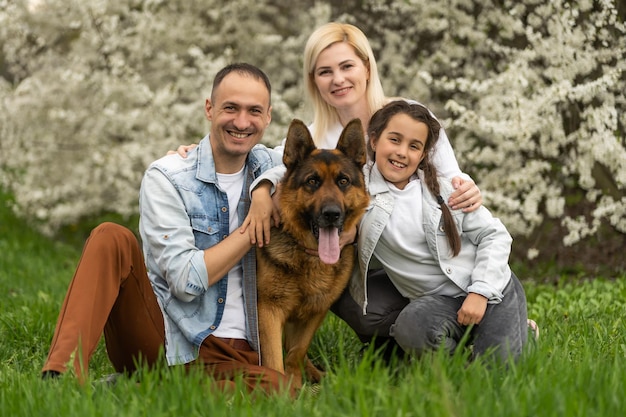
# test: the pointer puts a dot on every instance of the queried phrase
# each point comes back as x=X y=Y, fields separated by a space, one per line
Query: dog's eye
x=313 y=182
x=343 y=182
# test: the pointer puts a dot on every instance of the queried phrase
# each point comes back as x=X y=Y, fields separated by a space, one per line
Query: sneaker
x=50 y=374
x=312 y=390
x=532 y=326
x=109 y=380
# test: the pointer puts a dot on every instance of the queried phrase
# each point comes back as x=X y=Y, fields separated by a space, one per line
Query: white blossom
x=531 y=94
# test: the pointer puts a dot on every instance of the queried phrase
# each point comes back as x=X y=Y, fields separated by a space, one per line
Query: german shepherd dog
x=323 y=192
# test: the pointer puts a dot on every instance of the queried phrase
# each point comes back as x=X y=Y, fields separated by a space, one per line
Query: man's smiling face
x=239 y=111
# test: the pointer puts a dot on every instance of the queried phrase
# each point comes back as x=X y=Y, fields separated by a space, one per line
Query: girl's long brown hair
x=378 y=123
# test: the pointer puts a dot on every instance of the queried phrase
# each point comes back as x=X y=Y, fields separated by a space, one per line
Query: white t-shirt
x=233 y=324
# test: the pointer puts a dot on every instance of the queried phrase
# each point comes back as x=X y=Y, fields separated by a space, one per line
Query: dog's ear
x=352 y=142
x=299 y=143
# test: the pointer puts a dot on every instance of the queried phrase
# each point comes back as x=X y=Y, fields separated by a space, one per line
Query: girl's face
x=400 y=148
x=341 y=76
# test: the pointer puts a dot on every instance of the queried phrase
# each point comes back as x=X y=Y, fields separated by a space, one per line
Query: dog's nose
x=331 y=214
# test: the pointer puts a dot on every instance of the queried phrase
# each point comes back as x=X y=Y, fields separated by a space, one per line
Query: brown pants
x=228 y=359
x=111 y=293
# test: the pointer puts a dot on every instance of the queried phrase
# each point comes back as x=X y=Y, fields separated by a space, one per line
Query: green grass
x=578 y=368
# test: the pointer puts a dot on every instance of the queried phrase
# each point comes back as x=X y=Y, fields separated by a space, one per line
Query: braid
x=449 y=226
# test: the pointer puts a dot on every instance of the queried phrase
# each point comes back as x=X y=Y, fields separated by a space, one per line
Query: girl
x=451 y=266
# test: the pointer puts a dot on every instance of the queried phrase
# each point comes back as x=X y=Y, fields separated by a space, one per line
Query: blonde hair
x=324 y=115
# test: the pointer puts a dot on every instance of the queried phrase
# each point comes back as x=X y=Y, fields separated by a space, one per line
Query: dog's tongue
x=328 y=248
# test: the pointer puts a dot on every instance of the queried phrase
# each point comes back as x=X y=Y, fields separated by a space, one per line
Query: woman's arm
x=182 y=150
x=467 y=195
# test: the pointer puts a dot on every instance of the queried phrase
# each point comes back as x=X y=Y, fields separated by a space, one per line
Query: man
x=197 y=297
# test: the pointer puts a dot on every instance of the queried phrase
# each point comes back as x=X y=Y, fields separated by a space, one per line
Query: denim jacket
x=482 y=264
x=184 y=211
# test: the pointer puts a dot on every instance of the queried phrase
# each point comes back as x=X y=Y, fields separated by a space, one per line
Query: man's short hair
x=243 y=69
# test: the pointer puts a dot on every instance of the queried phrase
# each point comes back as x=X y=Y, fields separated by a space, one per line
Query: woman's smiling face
x=341 y=76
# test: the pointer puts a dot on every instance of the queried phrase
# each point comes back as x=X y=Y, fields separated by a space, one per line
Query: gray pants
x=384 y=305
x=430 y=322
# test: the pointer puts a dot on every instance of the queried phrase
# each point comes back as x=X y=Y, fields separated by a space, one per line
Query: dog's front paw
x=312 y=373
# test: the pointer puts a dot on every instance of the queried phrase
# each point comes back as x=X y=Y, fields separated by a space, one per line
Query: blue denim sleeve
x=168 y=239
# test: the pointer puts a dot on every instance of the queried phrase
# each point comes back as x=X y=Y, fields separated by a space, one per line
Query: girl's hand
x=182 y=150
x=262 y=215
x=466 y=197
x=473 y=309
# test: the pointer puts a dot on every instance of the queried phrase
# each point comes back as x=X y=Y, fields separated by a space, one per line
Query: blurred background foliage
x=530 y=92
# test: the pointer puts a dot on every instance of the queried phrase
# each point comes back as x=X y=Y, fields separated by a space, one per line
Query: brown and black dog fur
x=322 y=193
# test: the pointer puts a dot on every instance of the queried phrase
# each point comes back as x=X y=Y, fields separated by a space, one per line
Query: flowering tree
x=93 y=91
x=530 y=92
x=534 y=97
